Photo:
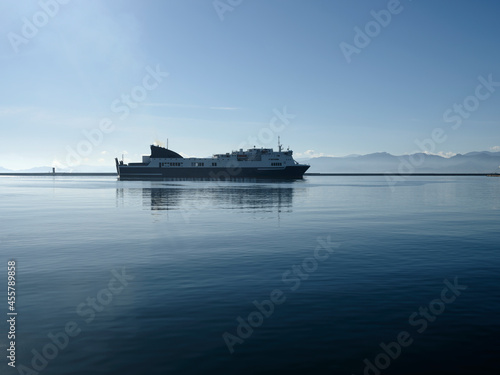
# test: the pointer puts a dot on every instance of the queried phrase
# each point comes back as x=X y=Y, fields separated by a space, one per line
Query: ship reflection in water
x=200 y=196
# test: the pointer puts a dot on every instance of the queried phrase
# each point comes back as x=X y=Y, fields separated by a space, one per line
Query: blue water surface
x=307 y=277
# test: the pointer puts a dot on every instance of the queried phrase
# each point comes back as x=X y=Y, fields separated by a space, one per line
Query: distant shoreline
x=57 y=174
x=97 y=174
x=400 y=174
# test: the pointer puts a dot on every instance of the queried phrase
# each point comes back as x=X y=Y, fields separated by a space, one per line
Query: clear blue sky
x=232 y=68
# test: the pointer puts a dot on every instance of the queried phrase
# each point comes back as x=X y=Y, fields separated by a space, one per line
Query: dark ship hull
x=139 y=172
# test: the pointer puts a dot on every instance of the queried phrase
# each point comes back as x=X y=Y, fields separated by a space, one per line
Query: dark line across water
x=60 y=174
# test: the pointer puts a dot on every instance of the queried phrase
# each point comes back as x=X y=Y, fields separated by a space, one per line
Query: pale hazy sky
x=331 y=77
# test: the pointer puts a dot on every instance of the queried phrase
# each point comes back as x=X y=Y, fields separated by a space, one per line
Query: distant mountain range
x=382 y=162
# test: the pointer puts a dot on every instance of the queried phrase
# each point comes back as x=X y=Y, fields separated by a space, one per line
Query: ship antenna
x=279 y=144
x=167 y=143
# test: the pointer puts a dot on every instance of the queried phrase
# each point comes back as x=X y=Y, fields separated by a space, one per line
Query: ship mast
x=279 y=144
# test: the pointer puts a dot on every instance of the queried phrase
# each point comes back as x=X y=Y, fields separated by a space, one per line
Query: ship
x=254 y=163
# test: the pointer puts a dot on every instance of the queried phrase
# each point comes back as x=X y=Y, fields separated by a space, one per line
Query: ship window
x=214 y=164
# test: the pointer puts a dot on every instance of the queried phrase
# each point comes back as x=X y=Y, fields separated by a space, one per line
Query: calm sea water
x=305 y=277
